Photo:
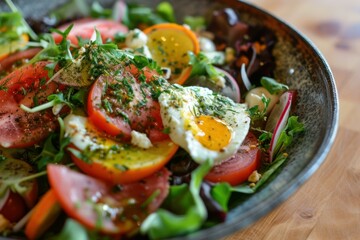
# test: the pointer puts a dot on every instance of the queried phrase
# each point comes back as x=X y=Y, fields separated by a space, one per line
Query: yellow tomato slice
x=112 y=161
x=169 y=45
x=13 y=46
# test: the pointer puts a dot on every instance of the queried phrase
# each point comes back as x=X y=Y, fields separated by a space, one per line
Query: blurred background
x=327 y=206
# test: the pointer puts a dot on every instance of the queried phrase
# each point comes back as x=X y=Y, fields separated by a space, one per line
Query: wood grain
x=327 y=206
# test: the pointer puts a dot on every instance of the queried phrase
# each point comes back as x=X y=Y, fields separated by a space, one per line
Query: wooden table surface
x=327 y=206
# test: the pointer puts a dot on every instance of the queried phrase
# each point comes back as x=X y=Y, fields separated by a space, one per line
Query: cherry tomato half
x=107 y=208
x=238 y=168
x=85 y=28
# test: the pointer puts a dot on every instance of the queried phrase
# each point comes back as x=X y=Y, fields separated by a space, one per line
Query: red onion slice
x=245 y=77
x=231 y=88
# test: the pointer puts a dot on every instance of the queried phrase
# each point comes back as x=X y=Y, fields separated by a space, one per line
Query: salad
x=128 y=124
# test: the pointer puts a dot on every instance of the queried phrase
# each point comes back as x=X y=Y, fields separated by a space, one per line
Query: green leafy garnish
x=57 y=53
x=54 y=100
x=54 y=148
x=14 y=23
x=182 y=207
x=221 y=193
x=137 y=15
x=78 y=98
x=98 y=11
x=273 y=86
x=202 y=66
x=166 y=11
x=72 y=230
x=11 y=27
x=264 y=140
x=69 y=9
x=286 y=137
x=195 y=23
x=256 y=114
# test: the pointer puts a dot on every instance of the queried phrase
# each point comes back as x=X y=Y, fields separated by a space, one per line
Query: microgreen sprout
x=55 y=101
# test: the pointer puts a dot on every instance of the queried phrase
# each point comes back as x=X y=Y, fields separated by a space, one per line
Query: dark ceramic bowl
x=301 y=66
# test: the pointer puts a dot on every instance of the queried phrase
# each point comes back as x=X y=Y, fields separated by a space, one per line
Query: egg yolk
x=214 y=133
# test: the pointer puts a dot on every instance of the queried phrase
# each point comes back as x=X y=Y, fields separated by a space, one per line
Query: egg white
x=85 y=138
x=80 y=135
x=179 y=106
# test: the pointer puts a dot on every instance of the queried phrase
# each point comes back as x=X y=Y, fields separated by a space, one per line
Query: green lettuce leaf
x=136 y=14
x=195 y=22
x=72 y=230
x=201 y=65
x=286 y=137
x=187 y=215
x=166 y=11
x=221 y=193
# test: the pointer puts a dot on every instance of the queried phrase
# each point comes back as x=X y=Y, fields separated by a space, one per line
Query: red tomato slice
x=17 y=127
x=117 y=105
x=113 y=209
x=17 y=59
x=238 y=168
x=84 y=28
x=14 y=207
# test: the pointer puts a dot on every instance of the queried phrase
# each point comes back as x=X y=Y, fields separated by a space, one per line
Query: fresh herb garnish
x=98 y=11
x=57 y=53
x=202 y=66
x=53 y=150
x=264 y=140
x=292 y=128
x=256 y=114
x=19 y=25
x=72 y=230
x=195 y=22
x=273 y=86
x=11 y=27
x=136 y=15
x=54 y=101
